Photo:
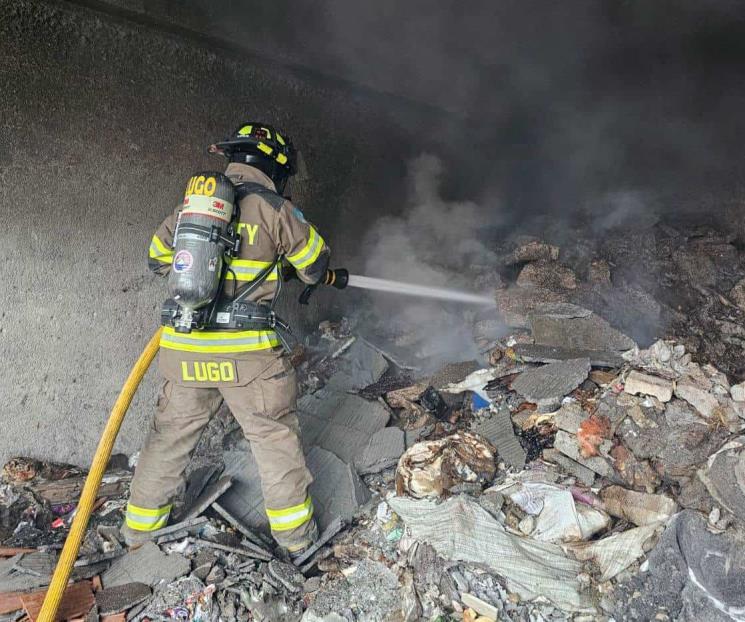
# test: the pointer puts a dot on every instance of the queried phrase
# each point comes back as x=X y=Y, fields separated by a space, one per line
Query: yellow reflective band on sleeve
x=280 y=140
x=281 y=158
x=265 y=148
x=292 y=517
x=248 y=270
x=309 y=253
x=220 y=341
x=146 y=519
x=159 y=252
x=164 y=250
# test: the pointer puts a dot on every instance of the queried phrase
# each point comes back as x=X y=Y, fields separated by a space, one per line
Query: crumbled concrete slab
x=638 y=383
x=40 y=563
x=582 y=473
x=567 y=445
x=499 y=432
x=210 y=495
x=196 y=483
x=360 y=366
x=570 y=326
x=452 y=373
x=531 y=250
x=340 y=422
x=244 y=499
x=724 y=478
x=13 y=581
x=147 y=564
x=546 y=386
x=569 y=417
x=120 y=598
x=693 y=575
x=538 y=353
x=383 y=451
x=337 y=491
x=546 y=274
x=698 y=396
x=515 y=304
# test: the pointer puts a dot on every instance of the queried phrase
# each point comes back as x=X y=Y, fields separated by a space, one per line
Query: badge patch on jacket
x=208 y=371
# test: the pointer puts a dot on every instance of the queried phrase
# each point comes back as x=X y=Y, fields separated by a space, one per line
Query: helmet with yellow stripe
x=262 y=146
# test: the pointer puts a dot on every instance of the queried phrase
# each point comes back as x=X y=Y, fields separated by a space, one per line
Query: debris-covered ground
x=572 y=473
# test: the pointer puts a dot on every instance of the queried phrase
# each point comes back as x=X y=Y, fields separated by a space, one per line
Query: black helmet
x=262 y=146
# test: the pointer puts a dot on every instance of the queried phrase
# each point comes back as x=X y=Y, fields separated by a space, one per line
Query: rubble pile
x=568 y=475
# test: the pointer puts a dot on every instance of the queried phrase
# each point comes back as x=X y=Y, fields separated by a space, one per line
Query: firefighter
x=248 y=369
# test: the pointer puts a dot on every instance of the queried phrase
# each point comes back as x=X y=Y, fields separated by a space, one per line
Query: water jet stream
x=422 y=291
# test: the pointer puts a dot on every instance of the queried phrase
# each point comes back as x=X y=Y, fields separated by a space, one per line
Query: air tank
x=207 y=210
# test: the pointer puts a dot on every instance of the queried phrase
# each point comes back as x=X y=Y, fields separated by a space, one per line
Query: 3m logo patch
x=208 y=371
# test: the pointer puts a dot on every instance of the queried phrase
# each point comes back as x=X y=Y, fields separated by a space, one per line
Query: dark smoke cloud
x=558 y=104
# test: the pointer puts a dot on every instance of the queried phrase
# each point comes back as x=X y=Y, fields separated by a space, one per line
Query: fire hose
x=92 y=483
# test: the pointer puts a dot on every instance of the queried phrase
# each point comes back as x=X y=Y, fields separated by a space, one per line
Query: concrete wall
x=101 y=123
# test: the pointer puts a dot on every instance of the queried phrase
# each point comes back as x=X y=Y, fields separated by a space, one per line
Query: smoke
x=560 y=104
x=431 y=242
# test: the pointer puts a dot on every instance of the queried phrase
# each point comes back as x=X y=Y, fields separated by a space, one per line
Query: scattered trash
x=552 y=485
x=460 y=529
x=637 y=507
x=433 y=468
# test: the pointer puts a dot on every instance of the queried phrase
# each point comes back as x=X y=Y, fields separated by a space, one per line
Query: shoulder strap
x=245 y=188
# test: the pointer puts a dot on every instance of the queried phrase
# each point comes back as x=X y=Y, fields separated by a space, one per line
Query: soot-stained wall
x=102 y=121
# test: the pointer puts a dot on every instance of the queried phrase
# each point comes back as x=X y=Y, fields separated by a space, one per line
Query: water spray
x=340 y=279
x=421 y=291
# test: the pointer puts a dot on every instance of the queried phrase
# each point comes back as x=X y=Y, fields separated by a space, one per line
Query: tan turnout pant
x=265 y=409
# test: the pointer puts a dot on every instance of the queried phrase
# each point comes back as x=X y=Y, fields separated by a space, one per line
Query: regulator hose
x=92 y=483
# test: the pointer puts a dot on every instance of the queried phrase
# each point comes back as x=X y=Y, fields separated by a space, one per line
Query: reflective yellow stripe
x=164 y=250
x=292 y=517
x=147 y=519
x=265 y=148
x=281 y=158
x=137 y=511
x=280 y=140
x=245 y=130
x=159 y=252
x=248 y=270
x=134 y=524
x=309 y=253
x=217 y=342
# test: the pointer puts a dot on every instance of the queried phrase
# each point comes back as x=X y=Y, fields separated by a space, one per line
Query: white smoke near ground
x=433 y=242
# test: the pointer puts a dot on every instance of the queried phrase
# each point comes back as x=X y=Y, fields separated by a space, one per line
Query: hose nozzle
x=338 y=278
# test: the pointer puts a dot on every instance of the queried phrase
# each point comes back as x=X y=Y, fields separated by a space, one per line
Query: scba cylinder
x=207 y=210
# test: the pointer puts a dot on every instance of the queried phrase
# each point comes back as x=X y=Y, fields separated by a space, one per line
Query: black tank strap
x=245 y=188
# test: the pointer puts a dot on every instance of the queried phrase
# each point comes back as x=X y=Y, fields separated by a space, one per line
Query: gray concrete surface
x=101 y=123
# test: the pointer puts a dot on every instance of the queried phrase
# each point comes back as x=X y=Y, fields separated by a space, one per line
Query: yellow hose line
x=93 y=481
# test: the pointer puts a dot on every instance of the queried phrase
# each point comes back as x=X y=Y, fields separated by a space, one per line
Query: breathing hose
x=92 y=483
